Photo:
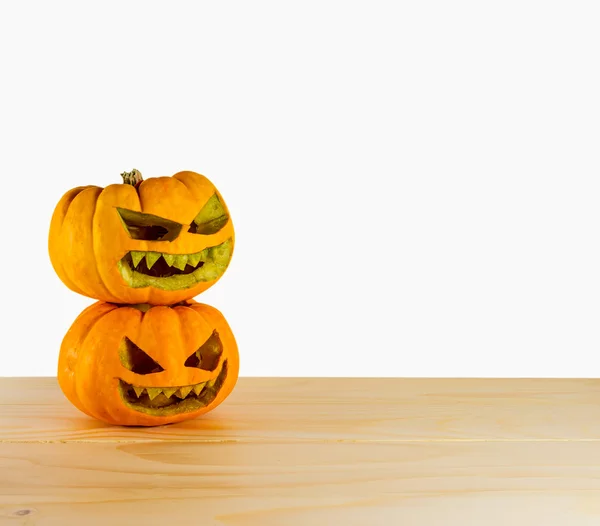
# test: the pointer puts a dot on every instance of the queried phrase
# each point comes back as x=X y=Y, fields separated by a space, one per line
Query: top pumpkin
x=159 y=241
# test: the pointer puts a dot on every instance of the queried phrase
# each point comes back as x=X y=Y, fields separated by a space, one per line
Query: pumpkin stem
x=133 y=178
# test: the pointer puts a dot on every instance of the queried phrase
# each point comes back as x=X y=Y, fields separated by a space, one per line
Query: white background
x=415 y=185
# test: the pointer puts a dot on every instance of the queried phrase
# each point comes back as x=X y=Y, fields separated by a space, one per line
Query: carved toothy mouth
x=174 y=271
x=163 y=401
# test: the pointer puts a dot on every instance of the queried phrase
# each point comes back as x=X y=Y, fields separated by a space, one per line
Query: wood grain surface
x=296 y=451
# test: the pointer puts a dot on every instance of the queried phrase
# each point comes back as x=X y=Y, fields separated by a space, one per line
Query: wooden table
x=290 y=452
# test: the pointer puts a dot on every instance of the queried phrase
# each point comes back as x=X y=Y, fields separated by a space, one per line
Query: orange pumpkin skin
x=92 y=374
x=88 y=240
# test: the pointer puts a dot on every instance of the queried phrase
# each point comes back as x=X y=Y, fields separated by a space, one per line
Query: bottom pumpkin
x=142 y=365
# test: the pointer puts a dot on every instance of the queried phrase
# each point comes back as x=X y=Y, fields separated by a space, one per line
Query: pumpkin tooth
x=169 y=258
x=198 y=388
x=138 y=390
x=153 y=392
x=151 y=258
x=180 y=261
x=136 y=257
x=184 y=391
x=194 y=259
x=168 y=391
x=210 y=383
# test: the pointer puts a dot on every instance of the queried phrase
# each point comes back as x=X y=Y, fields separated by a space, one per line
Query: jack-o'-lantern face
x=142 y=365
x=158 y=241
x=169 y=400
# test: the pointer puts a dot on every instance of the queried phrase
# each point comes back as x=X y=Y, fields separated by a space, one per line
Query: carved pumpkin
x=158 y=241
x=145 y=365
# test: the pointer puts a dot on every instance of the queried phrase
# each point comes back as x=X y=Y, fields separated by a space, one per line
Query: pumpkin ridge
x=186 y=187
x=80 y=208
x=82 y=337
x=180 y=334
x=191 y=180
x=76 y=191
x=95 y=248
x=55 y=235
x=97 y=268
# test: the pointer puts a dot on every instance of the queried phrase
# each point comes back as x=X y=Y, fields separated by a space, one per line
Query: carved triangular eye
x=211 y=218
x=136 y=360
x=148 y=227
x=208 y=355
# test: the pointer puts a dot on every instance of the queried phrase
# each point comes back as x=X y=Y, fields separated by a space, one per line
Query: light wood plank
x=418 y=484
x=333 y=409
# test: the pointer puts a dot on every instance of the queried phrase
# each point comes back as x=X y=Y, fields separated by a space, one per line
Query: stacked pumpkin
x=146 y=353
